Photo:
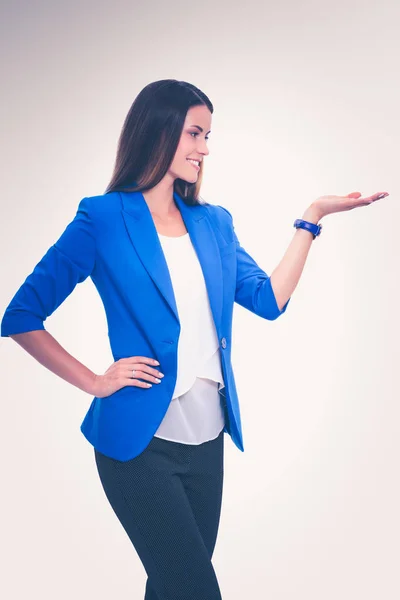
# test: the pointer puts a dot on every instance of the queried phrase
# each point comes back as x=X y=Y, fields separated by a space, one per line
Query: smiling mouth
x=193 y=164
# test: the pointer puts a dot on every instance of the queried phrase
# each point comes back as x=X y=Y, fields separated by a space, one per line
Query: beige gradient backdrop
x=306 y=98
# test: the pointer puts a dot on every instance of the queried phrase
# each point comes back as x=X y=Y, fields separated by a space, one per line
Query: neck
x=160 y=199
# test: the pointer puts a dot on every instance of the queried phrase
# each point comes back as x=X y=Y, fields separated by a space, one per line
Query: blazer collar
x=143 y=235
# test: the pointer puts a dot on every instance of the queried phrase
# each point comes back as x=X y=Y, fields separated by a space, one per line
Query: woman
x=168 y=268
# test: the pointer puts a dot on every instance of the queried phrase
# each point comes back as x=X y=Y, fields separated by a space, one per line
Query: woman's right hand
x=119 y=375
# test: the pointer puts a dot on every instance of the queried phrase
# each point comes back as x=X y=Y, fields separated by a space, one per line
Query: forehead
x=199 y=115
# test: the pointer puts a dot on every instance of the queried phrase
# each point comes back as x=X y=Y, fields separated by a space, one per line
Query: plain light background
x=306 y=98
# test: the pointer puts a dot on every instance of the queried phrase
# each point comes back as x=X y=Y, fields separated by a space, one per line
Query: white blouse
x=195 y=413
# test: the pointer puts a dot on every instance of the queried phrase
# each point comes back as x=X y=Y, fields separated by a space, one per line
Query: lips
x=193 y=164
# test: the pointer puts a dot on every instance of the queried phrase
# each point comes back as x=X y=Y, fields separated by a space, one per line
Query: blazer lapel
x=143 y=235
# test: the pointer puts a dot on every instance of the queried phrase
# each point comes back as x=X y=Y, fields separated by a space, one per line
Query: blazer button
x=223 y=342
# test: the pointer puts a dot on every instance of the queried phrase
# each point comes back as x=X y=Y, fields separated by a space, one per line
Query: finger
x=126 y=368
x=136 y=383
x=141 y=359
x=139 y=374
x=380 y=195
x=374 y=197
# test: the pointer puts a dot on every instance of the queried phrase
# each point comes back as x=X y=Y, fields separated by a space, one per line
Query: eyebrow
x=200 y=128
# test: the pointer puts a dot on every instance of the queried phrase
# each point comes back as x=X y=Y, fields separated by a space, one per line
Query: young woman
x=168 y=268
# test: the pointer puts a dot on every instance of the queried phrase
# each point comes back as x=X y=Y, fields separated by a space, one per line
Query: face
x=192 y=144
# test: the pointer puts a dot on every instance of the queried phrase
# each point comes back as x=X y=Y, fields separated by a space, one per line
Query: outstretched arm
x=286 y=275
x=268 y=296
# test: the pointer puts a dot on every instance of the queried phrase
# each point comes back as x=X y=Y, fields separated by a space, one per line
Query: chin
x=194 y=177
x=187 y=180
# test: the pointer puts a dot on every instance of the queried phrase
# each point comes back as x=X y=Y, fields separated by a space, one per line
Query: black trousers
x=168 y=500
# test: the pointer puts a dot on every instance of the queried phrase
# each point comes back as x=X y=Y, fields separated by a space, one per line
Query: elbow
x=15 y=323
x=277 y=312
x=273 y=309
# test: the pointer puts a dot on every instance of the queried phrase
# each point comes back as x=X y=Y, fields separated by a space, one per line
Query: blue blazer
x=112 y=239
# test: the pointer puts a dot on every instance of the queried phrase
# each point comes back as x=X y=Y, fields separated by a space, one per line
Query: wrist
x=312 y=214
x=91 y=385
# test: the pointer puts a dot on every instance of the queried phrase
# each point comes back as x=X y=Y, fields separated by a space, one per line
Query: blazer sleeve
x=253 y=286
x=70 y=260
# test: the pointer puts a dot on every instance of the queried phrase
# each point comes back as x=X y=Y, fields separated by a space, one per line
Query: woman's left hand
x=325 y=205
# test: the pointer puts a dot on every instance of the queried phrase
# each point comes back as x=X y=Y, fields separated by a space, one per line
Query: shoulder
x=102 y=204
x=219 y=212
x=222 y=220
x=100 y=210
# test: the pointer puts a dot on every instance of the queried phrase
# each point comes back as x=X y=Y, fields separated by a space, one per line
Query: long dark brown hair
x=150 y=136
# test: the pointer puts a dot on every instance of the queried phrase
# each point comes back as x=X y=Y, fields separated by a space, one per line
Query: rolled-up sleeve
x=69 y=261
x=253 y=286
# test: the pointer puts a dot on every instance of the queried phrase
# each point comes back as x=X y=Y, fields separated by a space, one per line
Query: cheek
x=185 y=148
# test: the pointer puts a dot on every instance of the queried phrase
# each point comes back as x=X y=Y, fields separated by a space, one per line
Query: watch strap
x=311 y=227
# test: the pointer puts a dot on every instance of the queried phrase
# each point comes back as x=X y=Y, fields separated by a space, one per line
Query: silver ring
x=133 y=372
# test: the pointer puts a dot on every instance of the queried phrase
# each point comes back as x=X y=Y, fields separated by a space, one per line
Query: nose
x=203 y=148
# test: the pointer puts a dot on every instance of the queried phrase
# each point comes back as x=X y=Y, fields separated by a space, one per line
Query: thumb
x=354 y=195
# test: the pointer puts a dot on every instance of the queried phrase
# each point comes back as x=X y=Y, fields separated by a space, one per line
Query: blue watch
x=311 y=227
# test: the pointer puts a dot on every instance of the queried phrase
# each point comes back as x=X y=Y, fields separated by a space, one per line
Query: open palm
x=332 y=204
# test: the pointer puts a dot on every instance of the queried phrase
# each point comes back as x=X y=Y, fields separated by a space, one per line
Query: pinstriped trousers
x=168 y=500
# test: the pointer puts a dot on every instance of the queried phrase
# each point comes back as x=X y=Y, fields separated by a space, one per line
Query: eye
x=196 y=133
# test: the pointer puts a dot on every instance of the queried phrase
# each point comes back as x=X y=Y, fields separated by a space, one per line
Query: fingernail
x=156 y=362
